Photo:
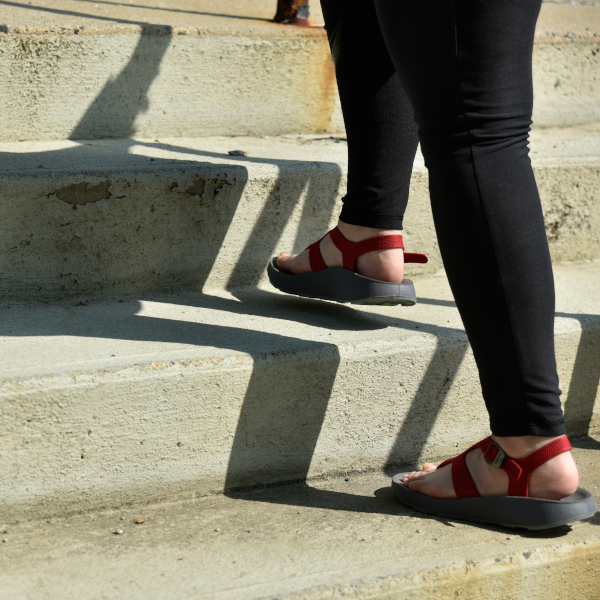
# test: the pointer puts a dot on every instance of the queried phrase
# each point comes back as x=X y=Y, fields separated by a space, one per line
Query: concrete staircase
x=147 y=367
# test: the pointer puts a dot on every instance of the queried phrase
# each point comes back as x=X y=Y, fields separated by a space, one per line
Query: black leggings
x=464 y=66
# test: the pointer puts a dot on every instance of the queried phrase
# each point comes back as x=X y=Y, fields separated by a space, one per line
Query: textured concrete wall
x=114 y=82
x=259 y=408
x=216 y=224
x=62 y=85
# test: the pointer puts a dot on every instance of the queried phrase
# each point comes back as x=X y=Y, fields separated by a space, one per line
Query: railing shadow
x=113 y=113
x=585 y=380
x=72 y=13
x=179 y=11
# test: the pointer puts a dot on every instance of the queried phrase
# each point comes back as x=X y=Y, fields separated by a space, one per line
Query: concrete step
x=112 y=217
x=86 y=70
x=190 y=394
x=342 y=538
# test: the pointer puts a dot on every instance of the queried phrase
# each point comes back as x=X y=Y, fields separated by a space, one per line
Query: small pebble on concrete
x=217 y=530
x=122 y=518
x=418 y=531
x=5 y=540
x=118 y=532
x=140 y=521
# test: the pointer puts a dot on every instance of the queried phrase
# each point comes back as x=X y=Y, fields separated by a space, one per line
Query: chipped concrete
x=342 y=538
x=192 y=394
x=212 y=68
x=83 y=193
x=148 y=200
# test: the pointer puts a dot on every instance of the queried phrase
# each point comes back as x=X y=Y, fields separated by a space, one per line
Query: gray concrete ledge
x=81 y=70
x=345 y=538
x=192 y=394
x=107 y=218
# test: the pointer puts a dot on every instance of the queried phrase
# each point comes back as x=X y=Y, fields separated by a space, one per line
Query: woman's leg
x=466 y=67
x=382 y=139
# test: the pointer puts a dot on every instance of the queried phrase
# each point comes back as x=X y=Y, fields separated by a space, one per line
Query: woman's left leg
x=382 y=141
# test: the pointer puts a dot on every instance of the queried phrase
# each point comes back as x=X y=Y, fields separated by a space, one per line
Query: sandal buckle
x=494 y=455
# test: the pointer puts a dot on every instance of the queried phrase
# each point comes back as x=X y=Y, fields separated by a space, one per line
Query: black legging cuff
x=510 y=428
x=357 y=216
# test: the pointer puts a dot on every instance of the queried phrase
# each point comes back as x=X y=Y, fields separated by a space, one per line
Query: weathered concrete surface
x=344 y=538
x=232 y=15
x=108 y=403
x=130 y=216
x=84 y=70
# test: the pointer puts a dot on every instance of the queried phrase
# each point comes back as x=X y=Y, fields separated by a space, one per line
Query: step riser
x=194 y=427
x=165 y=85
x=204 y=85
x=217 y=226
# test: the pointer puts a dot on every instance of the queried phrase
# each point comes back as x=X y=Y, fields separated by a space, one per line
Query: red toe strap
x=315 y=257
x=464 y=486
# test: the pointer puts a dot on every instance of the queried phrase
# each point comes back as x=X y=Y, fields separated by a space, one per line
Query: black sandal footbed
x=342 y=285
x=345 y=285
x=506 y=511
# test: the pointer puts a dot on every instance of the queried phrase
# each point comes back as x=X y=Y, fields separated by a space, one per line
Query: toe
x=285 y=261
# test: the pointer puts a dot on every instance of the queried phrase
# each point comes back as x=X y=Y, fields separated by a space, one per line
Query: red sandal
x=345 y=284
x=515 y=510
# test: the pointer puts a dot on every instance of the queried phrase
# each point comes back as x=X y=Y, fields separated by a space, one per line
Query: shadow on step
x=73 y=13
x=383 y=501
x=585 y=380
x=178 y=10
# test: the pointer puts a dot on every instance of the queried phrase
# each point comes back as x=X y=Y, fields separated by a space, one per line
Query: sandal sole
x=344 y=286
x=506 y=511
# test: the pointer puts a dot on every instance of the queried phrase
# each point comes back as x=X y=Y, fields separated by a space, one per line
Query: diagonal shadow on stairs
x=585 y=381
x=427 y=404
x=113 y=112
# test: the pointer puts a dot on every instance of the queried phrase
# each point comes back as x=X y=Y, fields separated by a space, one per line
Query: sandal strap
x=464 y=486
x=518 y=470
x=352 y=250
x=315 y=257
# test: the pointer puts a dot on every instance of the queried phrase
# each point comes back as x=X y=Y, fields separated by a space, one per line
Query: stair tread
x=576 y=143
x=83 y=336
x=240 y=16
x=342 y=536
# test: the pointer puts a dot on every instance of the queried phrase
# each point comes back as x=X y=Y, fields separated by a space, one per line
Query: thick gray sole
x=342 y=285
x=507 y=511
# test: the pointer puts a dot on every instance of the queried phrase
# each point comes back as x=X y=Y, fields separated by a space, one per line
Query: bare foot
x=383 y=265
x=555 y=479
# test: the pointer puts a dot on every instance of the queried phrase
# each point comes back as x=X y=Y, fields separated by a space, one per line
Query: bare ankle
x=358 y=233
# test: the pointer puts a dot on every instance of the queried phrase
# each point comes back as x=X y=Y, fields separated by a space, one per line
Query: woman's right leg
x=466 y=67
x=382 y=139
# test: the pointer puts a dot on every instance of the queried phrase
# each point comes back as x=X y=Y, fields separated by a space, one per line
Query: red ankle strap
x=518 y=470
x=352 y=250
